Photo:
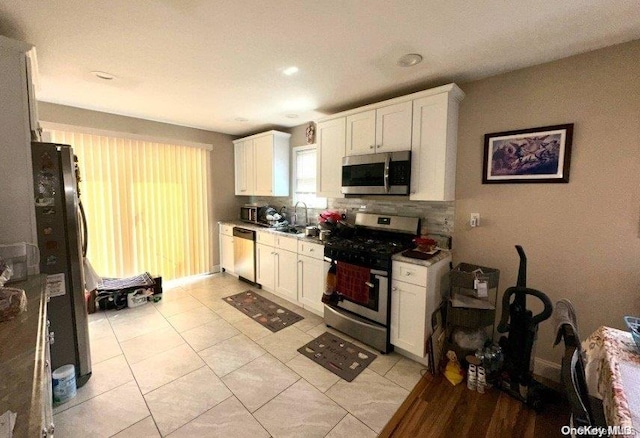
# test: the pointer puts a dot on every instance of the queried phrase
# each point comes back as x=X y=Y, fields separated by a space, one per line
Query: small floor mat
x=266 y=312
x=342 y=358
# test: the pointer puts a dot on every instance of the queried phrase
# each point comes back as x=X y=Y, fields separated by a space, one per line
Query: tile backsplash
x=436 y=216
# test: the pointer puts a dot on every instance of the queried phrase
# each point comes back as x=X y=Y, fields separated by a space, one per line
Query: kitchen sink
x=291 y=230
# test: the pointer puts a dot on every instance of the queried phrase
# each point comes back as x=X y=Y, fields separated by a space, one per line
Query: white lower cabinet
x=286 y=275
x=276 y=271
x=415 y=295
x=266 y=266
x=311 y=276
x=291 y=268
x=226 y=252
x=408 y=308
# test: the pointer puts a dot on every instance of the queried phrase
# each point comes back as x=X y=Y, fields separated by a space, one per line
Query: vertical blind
x=146 y=205
x=304 y=171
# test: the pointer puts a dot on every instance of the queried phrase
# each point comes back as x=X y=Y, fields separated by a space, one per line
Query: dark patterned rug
x=342 y=358
x=266 y=312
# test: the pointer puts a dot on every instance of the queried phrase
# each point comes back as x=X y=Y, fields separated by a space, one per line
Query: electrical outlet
x=474 y=221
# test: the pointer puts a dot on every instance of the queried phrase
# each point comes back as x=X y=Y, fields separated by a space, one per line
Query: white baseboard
x=423 y=360
x=547 y=369
x=541 y=367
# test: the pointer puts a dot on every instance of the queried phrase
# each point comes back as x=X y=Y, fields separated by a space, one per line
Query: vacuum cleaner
x=521 y=327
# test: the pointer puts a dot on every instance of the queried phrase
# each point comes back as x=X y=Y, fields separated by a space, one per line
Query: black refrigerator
x=61 y=231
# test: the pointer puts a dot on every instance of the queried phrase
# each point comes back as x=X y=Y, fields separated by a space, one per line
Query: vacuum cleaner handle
x=522 y=268
x=548 y=307
x=506 y=298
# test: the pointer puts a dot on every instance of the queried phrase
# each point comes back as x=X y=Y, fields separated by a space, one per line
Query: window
x=304 y=177
x=147 y=203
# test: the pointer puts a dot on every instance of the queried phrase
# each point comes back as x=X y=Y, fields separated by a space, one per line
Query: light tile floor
x=193 y=366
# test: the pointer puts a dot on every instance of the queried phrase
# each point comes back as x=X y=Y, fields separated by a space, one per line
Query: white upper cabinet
x=385 y=129
x=361 y=133
x=244 y=167
x=425 y=123
x=330 y=143
x=393 y=127
x=18 y=125
x=262 y=164
x=434 y=144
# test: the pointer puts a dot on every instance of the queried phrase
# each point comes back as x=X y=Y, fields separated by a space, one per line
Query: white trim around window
x=308 y=196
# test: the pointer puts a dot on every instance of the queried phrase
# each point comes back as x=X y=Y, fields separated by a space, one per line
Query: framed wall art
x=536 y=155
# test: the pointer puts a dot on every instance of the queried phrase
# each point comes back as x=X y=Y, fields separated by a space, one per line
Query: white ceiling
x=204 y=63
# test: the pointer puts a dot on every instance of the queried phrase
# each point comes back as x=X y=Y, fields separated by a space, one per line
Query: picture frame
x=535 y=155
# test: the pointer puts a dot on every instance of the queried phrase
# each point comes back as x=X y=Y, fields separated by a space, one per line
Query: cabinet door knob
x=378 y=146
x=52 y=338
x=299 y=261
x=310 y=249
x=371 y=147
x=394 y=288
x=407 y=273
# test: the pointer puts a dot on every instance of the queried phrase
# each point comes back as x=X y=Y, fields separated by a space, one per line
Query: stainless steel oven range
x=361 y=305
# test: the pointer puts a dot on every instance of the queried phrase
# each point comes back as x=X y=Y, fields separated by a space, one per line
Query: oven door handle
x=387 y=164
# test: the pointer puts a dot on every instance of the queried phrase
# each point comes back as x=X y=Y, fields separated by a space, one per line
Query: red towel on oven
x=352 y=282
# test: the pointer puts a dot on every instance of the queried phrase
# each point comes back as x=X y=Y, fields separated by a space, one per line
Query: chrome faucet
x=306 y=213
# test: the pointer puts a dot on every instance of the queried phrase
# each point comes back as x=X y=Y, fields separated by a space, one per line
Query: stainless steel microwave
x=249 y=213
x=377 y=174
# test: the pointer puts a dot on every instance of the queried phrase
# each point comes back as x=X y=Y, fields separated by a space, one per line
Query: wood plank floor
x=435 y=408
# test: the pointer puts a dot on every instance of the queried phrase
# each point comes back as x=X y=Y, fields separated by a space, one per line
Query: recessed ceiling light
x=409 y=60
x=103 y=75
x=290 y=70
x=292 y=116
x=241 y=119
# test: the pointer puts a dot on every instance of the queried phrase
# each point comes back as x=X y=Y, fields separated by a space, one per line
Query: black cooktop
x=366 y=248
x=364 y=244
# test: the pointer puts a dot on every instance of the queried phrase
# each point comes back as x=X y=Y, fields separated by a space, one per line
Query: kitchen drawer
x=288 y=243
x=266 y=238
x=309 y=249
x=410 y=273
x=226 y=229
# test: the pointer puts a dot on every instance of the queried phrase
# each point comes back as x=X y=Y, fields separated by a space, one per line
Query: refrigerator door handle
x=85 y=233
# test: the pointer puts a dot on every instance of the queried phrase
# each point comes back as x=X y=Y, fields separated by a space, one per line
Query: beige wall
x=581 y=238
x=224 y=204
x=298 y=135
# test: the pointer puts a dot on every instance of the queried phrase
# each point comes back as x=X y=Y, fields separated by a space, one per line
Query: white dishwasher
x=244 y=253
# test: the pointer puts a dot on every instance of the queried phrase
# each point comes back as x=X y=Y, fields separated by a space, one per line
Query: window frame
x=321 y=202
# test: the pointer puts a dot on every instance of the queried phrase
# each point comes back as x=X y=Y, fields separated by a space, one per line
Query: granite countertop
x=22 y=367
x=253 y=227
x=443 y=254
